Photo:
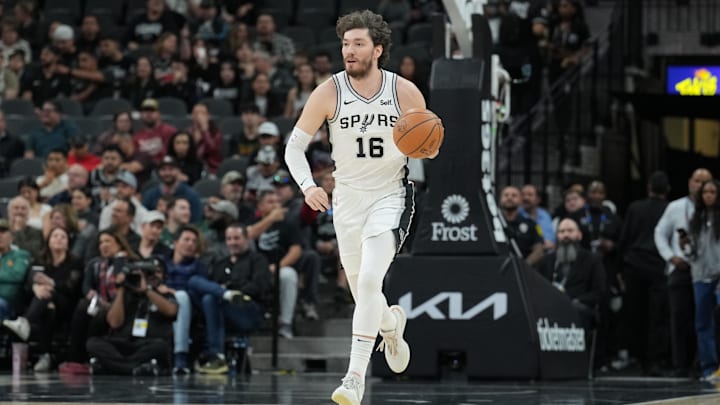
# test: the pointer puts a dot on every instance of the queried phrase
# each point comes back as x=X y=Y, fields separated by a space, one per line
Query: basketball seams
x=432 y=130
x=407 y=131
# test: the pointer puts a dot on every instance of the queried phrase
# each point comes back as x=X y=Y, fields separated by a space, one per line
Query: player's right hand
x=317 y=199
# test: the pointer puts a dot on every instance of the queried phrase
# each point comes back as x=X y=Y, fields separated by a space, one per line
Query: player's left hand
x=317 y=198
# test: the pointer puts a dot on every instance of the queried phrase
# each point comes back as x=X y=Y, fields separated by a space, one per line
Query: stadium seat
x=62 y=15
x=347 y=6
x=420 y=34
x=72 y=5
x=71 y=108
x=302 y=37
x=105 y=7
x=316 y=19
x=171 y=106
x=218 y=107
x=327 y=6
x=150 y=183
x=207 y=187
x=134 y=8
x=280 y=4
x=285 y=125
x=328 y=34
x=8 y=187
x=180 y=123
x=18 y=106
x=111 y=106
x=281 y=17
x=91 y=127
x=27 y=167
x=22 y=126
x=236 y=163
x=231 y=126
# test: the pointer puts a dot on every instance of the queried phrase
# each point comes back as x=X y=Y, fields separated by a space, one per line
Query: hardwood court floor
x=306 y=389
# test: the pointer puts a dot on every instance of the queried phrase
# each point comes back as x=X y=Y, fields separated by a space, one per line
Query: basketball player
x=372 y=202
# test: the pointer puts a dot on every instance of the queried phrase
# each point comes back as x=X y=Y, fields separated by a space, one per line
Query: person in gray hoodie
x=702 y=245
x=676 y=218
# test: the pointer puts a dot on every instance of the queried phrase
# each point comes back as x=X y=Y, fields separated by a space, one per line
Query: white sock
x=360 y=352
x=227 y=295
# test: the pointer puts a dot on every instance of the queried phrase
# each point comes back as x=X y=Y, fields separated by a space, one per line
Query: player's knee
x=369 y=283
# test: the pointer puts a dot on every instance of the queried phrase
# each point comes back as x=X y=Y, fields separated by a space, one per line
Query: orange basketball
x=418 y=133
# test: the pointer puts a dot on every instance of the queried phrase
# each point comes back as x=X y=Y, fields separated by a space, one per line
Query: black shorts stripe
x=403 y=230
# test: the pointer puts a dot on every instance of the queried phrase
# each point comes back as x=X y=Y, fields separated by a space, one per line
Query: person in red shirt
x=154 y=137
x=80 y=153
x=207 y=136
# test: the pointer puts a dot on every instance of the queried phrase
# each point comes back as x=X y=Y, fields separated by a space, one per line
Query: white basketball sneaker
x=397 y=351
x=350 y=392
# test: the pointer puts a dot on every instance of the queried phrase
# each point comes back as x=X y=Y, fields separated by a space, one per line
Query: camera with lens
x=135 y=269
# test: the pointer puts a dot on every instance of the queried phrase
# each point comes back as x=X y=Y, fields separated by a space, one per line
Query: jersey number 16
x=375 y=147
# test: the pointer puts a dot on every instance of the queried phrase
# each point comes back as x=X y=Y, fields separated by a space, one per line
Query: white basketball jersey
x=361 y=133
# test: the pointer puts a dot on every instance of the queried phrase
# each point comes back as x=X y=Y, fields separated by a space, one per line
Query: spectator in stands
x=99 y=289
x=310 y=263
x=227 y=86
x=181 y=267
x=12 y=41
x=82 y=202
x=45 y=82
x=298 y=95
x=524 y=231
x=573 y=201
x=701 y=240
x=568 y=36
x=138 y=163
x=182 y=148
x=531 y=209
x=9 y=84
x=246 y=143
x=260 y=176
x=322 y=62
x=122 y=217
x=280 y=47
x=575 y=271
x=89 y=38
x=409 y=69
x=209 y=25
x=16 y=64
x=243 y=11
x=122 y=124
x=87 y=82
x=63 y=38
x=179 y=86
x=54 y=134
x=219 y=214
x=281 y=80
x=131 y=349
x=166 y=51
x=233 y=189
x=115 y=65
x=170 y=184
x=125 y=189
x=269 y=135
x=153 y=223
x=282 y=246
x=207 y=137
x=27 y=26
x=77 y=177
x=178 y=215
x=146 y=28
x=142 y=85
x=152 y=139
x=239 y=36
x=28 y=188
x=102 y=179
x=601 y=228
x=243 y=271
x=55 y=179
x=11 y=146
x=14 y=263
x=25 y=237
x=56 y=287
x=245 y=58
x=395 y=12
x=202 y=65
x=319 y=153
x=63 y=216
x=80 y=153
x=645 y=279
x=268 y=103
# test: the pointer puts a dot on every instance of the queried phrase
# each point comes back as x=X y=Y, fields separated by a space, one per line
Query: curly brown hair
x=378 y=29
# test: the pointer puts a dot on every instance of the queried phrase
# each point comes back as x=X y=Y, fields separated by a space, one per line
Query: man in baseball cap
x=153 y=223
x=125 y=187
x=171 y=185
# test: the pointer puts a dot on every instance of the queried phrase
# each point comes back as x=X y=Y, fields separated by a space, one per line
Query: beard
x=567 y=252
x=360 y=70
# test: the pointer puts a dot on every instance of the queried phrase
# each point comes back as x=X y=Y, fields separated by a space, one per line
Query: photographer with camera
x=245 y=278
x=56 y=283
x=140 y=320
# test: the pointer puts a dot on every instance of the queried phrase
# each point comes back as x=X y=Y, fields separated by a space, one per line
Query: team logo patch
x=523 y=227
x=455 y=209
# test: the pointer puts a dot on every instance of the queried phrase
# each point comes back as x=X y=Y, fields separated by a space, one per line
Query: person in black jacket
x=575 y=270
x=11 y=147
x=644 y=276
x=244 y=278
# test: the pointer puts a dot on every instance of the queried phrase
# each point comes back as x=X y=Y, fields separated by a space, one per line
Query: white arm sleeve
x=295 y=158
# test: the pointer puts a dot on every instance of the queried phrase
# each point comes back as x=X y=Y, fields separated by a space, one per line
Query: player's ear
x=378 y=50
